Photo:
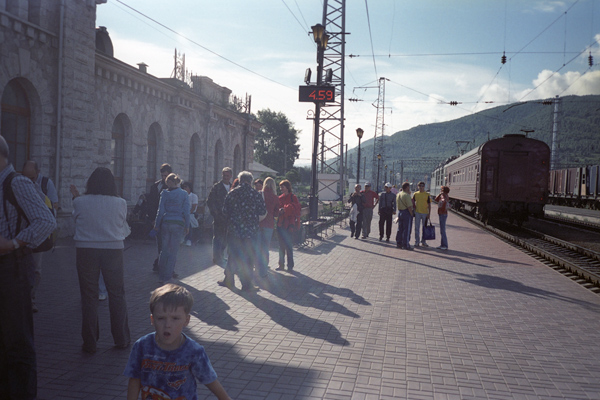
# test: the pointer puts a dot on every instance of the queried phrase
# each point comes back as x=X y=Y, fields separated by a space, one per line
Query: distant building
x=67 y=103
x=258 y=169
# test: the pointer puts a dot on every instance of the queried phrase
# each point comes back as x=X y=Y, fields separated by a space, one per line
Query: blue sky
x=432 y=52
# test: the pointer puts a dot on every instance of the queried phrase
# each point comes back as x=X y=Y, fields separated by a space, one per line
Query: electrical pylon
x=379 y=140
x=331 y=123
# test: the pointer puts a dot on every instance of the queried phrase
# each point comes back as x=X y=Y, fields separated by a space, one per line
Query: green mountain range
x=418 y=150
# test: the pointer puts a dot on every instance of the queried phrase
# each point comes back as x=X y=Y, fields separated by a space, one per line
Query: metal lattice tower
x=379 y=140
x=331 y=124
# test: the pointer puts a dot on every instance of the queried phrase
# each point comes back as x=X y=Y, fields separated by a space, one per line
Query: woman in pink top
x=266 y=227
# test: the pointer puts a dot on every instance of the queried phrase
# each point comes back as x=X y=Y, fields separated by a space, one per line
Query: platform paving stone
x=356 y=319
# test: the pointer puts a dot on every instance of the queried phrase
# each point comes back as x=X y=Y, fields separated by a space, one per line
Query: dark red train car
x=503 y=178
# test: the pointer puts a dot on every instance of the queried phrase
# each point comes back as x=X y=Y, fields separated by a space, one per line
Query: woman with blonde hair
x=287 y=224
x=172 y=223
x=266 y=227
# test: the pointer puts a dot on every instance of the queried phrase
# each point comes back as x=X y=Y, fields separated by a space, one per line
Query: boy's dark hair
x=172 y=296
x=166 y=168
x=405 y=185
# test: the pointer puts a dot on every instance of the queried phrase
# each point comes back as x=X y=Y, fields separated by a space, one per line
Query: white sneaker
x=102 y=297
x=442 y=248
x=188 y=243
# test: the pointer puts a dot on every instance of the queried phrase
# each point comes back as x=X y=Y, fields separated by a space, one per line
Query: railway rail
x=577 y=262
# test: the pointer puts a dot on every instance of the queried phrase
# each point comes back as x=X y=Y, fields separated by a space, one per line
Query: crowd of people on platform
x=408 y=205
x=245 y=214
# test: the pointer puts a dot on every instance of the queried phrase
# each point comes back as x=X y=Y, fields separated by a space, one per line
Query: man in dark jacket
x=153 y=200
x=359 y=199
x=387 y=209
x=215 y=201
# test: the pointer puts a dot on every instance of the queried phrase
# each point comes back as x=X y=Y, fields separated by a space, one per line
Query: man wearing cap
x=371 y=200
x=387 y=209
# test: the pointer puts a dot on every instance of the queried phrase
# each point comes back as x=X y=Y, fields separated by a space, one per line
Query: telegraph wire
x=305 y=26
x=545 y=29
x=201 y=46
x=371 y=37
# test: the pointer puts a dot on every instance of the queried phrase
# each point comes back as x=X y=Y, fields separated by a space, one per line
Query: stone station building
x=67 y=103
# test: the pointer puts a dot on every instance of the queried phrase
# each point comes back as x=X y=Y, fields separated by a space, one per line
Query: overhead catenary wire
x=371 y=38
x=201 y=46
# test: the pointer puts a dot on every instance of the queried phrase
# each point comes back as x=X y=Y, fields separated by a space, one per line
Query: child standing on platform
x=167 y=363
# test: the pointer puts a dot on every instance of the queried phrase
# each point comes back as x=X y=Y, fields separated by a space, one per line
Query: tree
x=275 y=144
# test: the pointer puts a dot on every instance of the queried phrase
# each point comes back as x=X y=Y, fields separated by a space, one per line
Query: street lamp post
x=359 y=133
x=321 y=38
x=385 y=173
x=378 y=161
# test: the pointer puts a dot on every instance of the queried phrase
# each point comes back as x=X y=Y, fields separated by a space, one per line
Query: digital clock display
x=313 y=94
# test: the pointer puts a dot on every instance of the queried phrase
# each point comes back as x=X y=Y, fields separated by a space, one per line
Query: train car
x=575 y=187
x=503 y=178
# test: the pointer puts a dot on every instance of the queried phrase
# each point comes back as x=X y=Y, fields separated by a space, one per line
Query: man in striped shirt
x=24 y=225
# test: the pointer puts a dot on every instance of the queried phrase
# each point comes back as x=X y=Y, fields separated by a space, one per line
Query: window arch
x=237 y=160
x=16 y=122
x=218 y=161
x=117 y=146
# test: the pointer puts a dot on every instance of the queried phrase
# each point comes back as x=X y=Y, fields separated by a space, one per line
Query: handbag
x=428 y=231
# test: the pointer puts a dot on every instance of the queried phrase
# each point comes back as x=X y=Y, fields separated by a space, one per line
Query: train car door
x=513 y=181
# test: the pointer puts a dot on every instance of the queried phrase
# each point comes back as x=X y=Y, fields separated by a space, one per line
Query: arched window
x=193 y=173
x=15 y=122
x=218 y=161
x=237 y=160
x=117 y=146
x=151 y=163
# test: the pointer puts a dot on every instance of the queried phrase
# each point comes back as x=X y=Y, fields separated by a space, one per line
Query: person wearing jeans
x=422 y=204
x=267 y=225
x=405 y=214
x=442 y=200
x=172 y=222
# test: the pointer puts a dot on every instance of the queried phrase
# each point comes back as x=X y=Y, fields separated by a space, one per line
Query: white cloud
x=549 y=84
x=548 y=6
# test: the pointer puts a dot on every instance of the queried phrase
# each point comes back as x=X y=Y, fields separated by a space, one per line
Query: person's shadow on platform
x=210 y=309
x=305 y=291
x=496 y=282
x=295 y=321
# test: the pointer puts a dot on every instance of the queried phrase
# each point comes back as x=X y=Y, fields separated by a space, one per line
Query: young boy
x=166 y=364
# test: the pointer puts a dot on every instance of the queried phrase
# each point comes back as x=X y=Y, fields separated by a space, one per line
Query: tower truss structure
x=331 y=121
x=379 y=140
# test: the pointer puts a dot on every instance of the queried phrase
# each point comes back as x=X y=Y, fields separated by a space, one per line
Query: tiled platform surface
x=358 y=319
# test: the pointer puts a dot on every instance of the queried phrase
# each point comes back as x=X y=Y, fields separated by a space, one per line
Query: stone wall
x=75 y=100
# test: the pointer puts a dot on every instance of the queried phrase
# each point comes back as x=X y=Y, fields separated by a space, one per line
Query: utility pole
x=554 y=158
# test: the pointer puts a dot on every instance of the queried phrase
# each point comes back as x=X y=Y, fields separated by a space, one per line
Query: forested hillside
x=578 y=138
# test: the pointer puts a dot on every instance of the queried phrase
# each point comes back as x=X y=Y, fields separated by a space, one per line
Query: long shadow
x=496 y=282
x=295 y=321
x=402 y=254
x=210 y=309
x=303 y=290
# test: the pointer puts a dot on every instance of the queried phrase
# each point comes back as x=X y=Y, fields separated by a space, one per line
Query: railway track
x=577 y=262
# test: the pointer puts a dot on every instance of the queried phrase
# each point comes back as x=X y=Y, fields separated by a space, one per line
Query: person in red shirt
x=371 y=200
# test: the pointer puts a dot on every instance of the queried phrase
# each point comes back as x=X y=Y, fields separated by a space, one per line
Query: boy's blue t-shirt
x=169 y=374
